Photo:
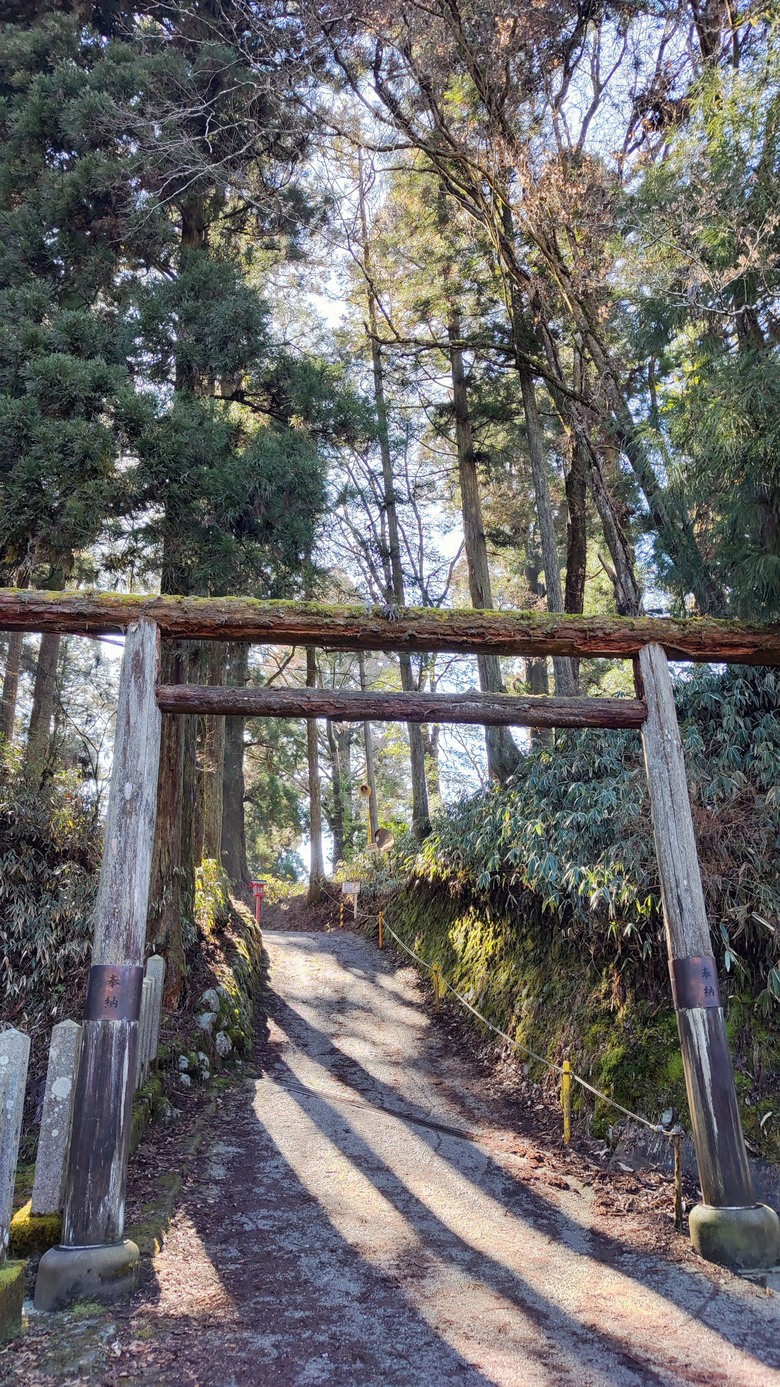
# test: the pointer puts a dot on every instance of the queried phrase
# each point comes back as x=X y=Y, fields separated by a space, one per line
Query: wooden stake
x=566 y=1101
x=678 y=1180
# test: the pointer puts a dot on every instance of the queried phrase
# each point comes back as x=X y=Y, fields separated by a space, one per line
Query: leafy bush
x=573 y=827
x=379 y=873
x=279 y=888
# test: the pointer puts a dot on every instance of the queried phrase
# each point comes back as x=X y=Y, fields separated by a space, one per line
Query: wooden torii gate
x=94 y=1260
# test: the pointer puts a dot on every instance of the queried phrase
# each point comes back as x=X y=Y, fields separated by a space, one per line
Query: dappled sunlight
x=395 y=1065
x=470 y=1242
x=433 y=1276
x=192 y=1286
x=374 y=1008
x=461 y=1256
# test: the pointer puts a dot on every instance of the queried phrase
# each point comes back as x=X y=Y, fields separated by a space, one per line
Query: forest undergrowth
x=50 y=853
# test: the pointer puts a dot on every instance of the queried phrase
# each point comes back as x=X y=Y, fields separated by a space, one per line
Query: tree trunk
x=233 y=825
x=373 y=806
x=431 y=748
x=421 y=823
x=337 y=815
x=502 y=754
x=674 y=529
x=165 y=902
x=13 y=665
x=565 y=677
x=576 y=539
x=344 y=737
x=421 y=819
x=173 y=863
x=213 y=767
x=317 y=860
x=628 y=594
x=430 y=735
x=39 y=734
x=576 y=532
x=190 y=821
x=536 y=671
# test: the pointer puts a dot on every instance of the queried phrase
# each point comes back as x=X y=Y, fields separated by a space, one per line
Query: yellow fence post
x=341 y=913
x=678 y=1189
x=566 y=1101
x=436 y=985
x=381 y=930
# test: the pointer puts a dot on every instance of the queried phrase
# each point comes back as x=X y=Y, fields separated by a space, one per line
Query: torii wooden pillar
x=94 y=1261
x=729 y=1226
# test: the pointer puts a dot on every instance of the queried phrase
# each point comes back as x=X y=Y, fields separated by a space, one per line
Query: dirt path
x=363 y=1215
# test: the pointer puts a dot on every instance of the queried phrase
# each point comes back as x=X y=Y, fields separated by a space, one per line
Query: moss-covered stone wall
x=526 y=978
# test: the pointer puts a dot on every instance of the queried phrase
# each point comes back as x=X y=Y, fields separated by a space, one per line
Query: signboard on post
x=351 y=889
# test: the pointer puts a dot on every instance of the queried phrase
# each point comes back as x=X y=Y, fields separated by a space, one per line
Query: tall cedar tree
x=131 y=330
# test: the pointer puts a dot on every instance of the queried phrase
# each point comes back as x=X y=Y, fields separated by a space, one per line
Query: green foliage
x=49 y=856
x=31 y=1234
x=703 y=225
x=240 y=500
x=275 y=813
x=381 y=873
x=573 y=828
x=616 y=1024
x=129 y=328
x=279 y=889
x=212 y=897
x=67 y=401
x=533 y=984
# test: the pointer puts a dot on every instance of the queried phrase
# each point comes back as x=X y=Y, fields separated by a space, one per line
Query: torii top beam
x=455 y=631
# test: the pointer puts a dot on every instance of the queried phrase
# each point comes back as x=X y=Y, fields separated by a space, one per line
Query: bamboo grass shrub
x=50 y=845
x=573 y=828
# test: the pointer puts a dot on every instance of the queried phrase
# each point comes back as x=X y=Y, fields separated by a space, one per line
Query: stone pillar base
x=68 y=1274
x=744 y=1239
x=11 y=1299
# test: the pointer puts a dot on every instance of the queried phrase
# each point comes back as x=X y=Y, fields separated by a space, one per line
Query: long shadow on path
x=728 y=1316
x=348 y=1236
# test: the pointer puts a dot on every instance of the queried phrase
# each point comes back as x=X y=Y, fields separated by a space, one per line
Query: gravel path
x=365 y=1215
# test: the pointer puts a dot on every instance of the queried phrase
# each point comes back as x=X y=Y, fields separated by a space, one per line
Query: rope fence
x=441 y=988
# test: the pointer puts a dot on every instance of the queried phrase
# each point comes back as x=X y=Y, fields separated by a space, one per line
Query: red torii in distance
x=258 y=891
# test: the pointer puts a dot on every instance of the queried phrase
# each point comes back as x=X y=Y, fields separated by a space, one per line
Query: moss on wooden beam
x=451 y=630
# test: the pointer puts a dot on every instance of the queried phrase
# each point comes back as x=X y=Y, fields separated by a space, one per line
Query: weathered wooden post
x=729 y=1226
x=93 y=1261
